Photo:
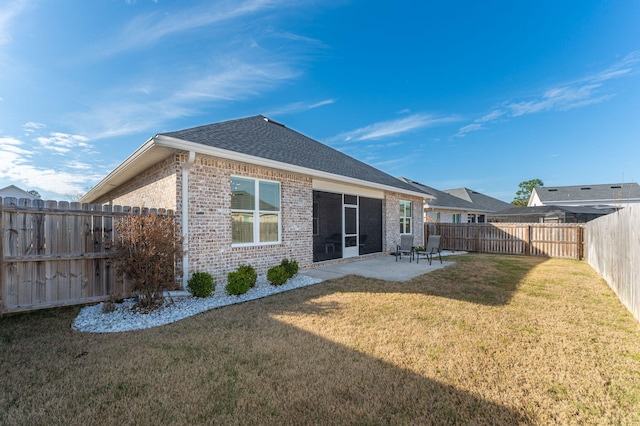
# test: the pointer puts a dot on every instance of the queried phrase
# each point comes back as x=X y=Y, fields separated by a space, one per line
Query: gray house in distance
x=252 y=191
x=460 y=205
x=606 y=196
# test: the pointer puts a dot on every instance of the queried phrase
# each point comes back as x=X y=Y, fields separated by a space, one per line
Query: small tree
x=146 y=250
x=526 y=188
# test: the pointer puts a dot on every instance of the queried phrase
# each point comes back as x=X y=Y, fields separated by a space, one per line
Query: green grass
x=490 y=340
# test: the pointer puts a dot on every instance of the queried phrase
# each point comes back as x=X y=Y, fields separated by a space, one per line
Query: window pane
x=268 y=227
x=350 y=220
x=351 y=199
x=241 y=228
x=243 y=194
x=269 y=196
x=407 y=207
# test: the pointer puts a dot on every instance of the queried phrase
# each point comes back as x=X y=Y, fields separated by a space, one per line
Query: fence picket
x=57 y=253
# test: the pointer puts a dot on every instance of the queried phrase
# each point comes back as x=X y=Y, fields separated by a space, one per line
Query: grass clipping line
x=490 y=340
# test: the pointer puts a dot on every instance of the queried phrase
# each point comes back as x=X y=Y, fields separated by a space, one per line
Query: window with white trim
x=255 y=211
x=456 y=218
x=405 y=217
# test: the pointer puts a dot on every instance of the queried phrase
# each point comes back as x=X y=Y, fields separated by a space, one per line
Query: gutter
x=185 y=217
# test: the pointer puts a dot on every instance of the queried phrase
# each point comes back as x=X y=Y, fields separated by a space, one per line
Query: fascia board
x=181 y=144
x=100 y=188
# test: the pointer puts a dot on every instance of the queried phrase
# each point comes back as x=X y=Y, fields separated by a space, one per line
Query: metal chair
x=433 y=247
x=405 y=247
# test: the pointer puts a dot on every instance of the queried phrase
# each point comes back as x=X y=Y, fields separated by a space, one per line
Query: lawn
x=489 y=340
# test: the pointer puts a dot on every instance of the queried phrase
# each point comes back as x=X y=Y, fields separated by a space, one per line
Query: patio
x=383 y=267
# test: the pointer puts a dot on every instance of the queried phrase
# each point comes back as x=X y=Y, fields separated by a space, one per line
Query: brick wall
x=210 y=219
x=391 y=223
x=155 y=187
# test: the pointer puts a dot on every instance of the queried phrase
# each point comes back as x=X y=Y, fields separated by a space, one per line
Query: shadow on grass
x=241 y=364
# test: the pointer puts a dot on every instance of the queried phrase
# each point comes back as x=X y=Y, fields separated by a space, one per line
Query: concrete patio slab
x=381 y=267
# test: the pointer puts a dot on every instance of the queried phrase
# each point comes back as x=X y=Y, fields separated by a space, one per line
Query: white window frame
x=257 y=212
x=403 y=219
x=456 y=218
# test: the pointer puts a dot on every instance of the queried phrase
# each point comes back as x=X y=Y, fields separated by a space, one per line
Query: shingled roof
x=442 y=199
x=607 y=193
x=479 y=200
x=262 y=137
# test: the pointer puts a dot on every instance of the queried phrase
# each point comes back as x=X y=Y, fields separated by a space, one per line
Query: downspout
x=185 y=217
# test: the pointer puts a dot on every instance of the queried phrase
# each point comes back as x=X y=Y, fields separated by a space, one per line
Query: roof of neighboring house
x=614 y=192
x=254 y=140
x=442 y=199
x=481 y=201
x=517 y=211
x=14 y=191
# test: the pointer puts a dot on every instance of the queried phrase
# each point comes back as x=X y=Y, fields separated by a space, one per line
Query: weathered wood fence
x=613 y=251
x=57 y=253
x=564 y=240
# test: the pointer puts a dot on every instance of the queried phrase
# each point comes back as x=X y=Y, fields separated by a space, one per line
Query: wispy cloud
x=393 y=128
x=576 y=94
x=149 y=29
x=298 y=107
x=8 y=13
x=62 y=143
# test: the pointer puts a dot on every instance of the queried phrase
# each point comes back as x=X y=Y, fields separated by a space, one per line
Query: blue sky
x=481 y=94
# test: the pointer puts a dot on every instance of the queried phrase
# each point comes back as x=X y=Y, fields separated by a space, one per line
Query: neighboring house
x=446 y=208
x=548 y=214
x=14 y=191
x=479 y=200
x=606 y=196
x=258 y=192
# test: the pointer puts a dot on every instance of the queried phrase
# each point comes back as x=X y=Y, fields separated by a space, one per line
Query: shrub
x=146 y=249
x=249 y=273
x=277 y=275
x=290 y=266
x=240 y=281
x=201 y=284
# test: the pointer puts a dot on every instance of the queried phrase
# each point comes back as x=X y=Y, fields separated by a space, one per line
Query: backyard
x=490 y=340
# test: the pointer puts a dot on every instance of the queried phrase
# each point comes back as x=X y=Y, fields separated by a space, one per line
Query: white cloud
x=8 y=13
x=149 y=29
x=575 y=94
x=26 y=168
x=391 y=128
x=299 y=107
x=63 y=142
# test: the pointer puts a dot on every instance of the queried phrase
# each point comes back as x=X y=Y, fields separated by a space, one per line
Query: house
x=461 y=205
x=548 y=214
x=252 y=191
x=14 y=191
x=606 y=196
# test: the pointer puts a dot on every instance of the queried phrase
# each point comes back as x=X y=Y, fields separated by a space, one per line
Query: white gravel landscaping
x=91 y=318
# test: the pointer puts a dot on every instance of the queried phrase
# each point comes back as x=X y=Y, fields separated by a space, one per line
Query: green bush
x=240 y=281
x=277 y=275
x=249 y=273
x=290 y=266
x=201 y=284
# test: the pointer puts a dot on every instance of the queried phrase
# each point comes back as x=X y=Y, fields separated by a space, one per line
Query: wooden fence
x=57 y=253
x=613 y=250
x=564 y=240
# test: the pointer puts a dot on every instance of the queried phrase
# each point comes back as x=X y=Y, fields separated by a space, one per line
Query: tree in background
x=526 y=188
x=34 y=193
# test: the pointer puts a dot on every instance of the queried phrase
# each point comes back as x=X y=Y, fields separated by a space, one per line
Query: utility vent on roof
x=268 y=120
x=586 y=187
x=616 y=187
x=552 y=190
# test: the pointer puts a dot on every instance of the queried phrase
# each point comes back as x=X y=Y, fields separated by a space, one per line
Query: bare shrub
x=146 y=250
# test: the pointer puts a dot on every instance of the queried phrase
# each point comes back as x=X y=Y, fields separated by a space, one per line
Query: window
x=405 y=217
x=456 y=217
x=255 y=211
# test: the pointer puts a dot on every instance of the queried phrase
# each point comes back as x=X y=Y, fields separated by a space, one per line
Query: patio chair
x=405 y=247
x=433 y=247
